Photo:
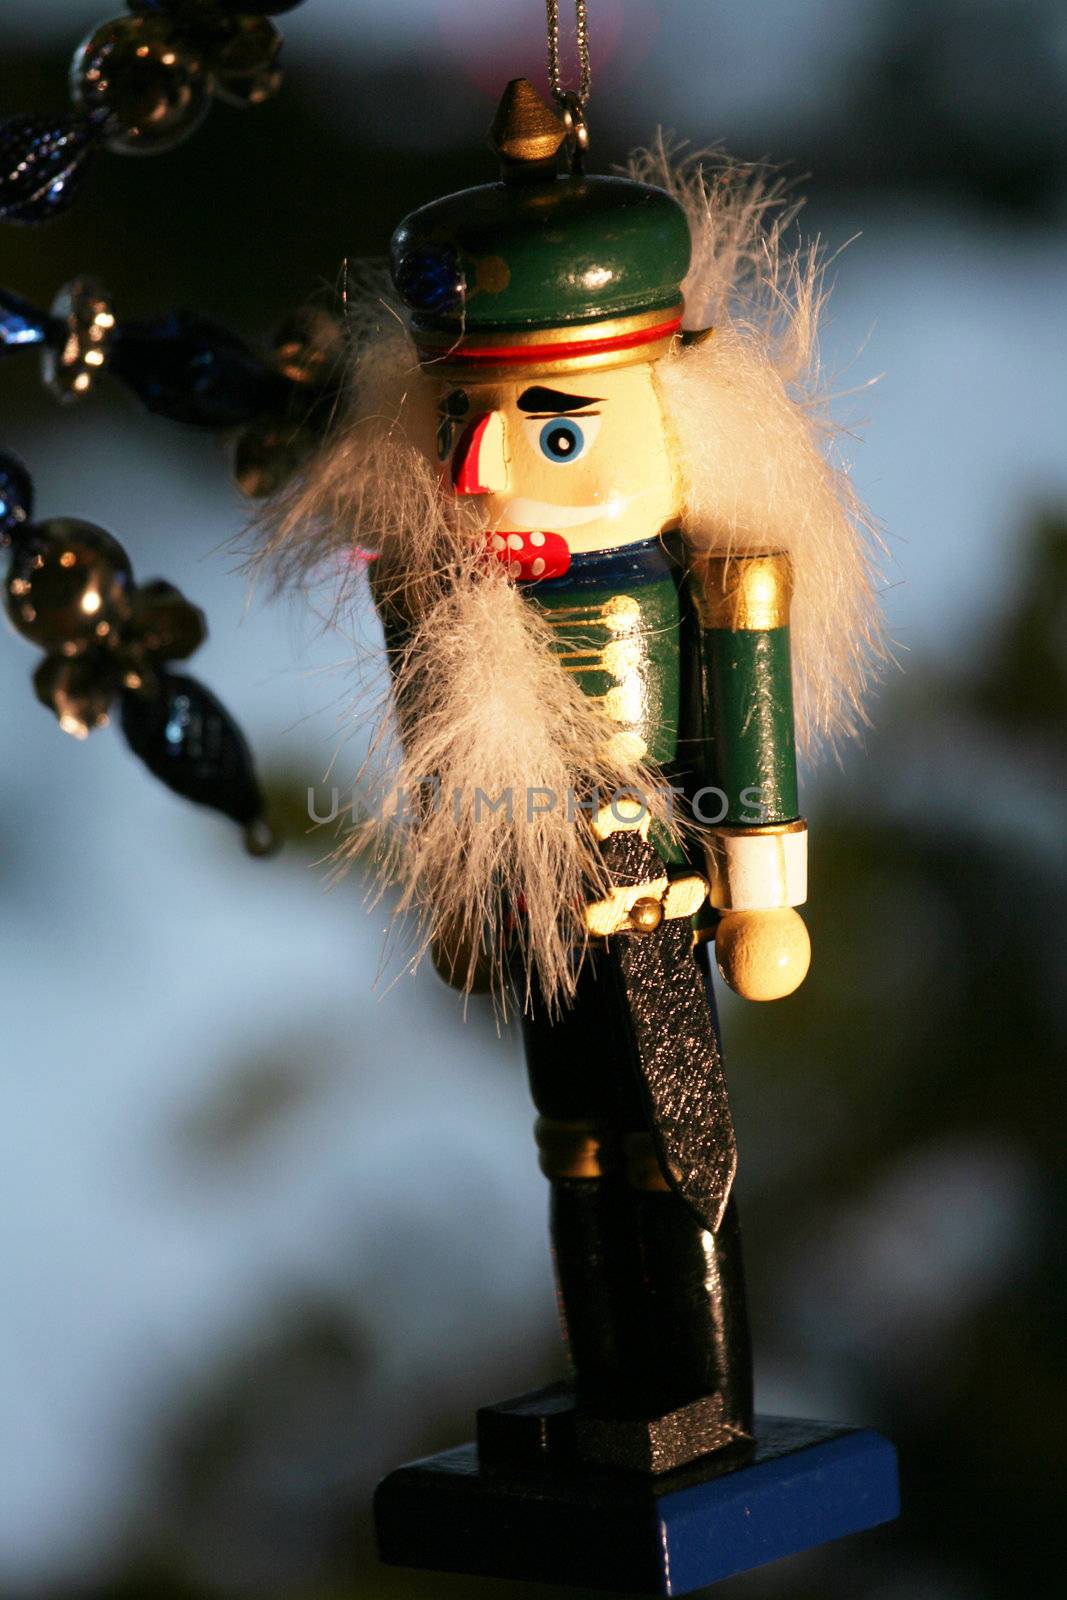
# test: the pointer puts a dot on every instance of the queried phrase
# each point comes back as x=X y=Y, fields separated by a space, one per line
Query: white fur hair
x=479 y=701
x=757 y=447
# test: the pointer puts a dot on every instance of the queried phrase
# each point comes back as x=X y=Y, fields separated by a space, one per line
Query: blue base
x=806 y=1484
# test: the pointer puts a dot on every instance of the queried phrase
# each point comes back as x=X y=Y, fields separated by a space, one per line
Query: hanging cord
x=571 y=101
x=582 y=36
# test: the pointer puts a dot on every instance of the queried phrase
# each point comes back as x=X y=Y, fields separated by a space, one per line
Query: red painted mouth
x=530 y=555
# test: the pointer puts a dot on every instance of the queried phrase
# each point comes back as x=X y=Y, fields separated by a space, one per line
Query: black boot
x=654 y=1317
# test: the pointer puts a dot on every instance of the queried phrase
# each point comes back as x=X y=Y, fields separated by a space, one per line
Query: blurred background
x=267 y=1230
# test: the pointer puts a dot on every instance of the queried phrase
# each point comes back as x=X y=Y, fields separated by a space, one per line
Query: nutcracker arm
x=756 y=849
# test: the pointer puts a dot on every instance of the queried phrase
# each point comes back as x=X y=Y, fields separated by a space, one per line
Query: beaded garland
x=142 y=83
x=108 y=642
x=139 y=83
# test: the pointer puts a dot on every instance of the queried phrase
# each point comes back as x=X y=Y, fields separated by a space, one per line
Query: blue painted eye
x=562 y=440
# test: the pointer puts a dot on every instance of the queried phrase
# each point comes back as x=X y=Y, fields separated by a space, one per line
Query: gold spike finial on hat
x=525 y=133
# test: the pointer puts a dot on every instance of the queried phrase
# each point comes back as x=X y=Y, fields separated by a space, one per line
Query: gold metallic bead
x=69 y=588
x=163 y=625
x=242 y=56
x=309 y=349
x=80 y=692
x=309 y=346
x=646 y=915
x=264 y=457
x=85 y=308
x=150 y=81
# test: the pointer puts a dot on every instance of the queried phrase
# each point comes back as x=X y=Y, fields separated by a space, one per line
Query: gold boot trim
x=573 y=1149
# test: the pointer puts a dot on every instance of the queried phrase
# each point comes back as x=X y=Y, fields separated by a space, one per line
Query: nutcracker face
x=569 y=463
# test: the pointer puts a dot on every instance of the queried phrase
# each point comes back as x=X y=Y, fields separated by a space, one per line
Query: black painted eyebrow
x=553 y=402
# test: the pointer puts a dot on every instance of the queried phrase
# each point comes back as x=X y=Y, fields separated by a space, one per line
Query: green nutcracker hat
x=541 y=271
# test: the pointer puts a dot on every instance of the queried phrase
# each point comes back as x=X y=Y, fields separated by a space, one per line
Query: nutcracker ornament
x=585 y=463
x=584 y=460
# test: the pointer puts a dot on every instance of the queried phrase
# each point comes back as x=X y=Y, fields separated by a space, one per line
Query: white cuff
x=760 y=868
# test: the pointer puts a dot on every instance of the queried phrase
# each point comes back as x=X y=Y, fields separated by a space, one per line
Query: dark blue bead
x=191 y=370
x=42 y=163
x=16 y=497
x=429 y=279
x=22 y=324
x=188 y=740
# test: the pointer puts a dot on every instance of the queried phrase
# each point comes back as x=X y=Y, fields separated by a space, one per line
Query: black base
x=804 y=1484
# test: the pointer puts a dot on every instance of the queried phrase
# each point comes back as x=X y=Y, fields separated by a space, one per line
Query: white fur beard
x=499 y=753
x=485 y=743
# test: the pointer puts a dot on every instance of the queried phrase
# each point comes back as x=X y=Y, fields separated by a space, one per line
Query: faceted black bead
x=192 y=370
x=16 y=498
x=188 y=740
x=42 y=163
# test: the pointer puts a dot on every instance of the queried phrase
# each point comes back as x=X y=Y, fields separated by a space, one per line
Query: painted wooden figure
x=591 y=465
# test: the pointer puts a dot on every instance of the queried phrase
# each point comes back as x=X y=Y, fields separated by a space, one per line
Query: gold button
x=646 y=915
x=621 y=613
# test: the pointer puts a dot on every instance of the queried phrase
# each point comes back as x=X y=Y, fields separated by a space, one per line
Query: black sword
x=664 y=1007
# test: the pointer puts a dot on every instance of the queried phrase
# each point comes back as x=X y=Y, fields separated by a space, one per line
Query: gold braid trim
x=581 y=1149
x=573 y=1149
